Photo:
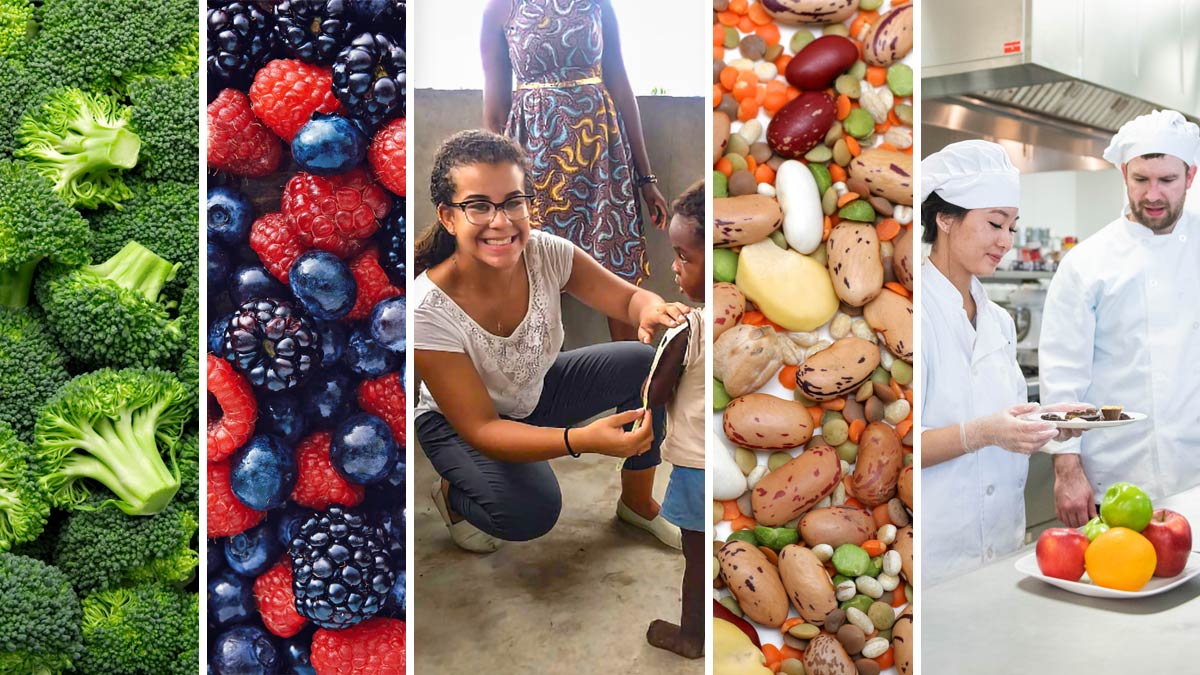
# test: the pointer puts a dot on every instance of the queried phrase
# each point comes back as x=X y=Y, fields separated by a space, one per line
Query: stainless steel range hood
x=1056 y=75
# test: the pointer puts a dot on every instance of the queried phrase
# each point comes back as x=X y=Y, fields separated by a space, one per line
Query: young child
x=678 y=382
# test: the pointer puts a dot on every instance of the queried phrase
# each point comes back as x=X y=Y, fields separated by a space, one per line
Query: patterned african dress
x=581 y=164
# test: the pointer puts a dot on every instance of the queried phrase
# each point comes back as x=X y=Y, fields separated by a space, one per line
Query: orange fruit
x=1120 y=558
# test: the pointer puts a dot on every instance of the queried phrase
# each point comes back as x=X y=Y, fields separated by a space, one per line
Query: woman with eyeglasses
x=498 y=396
x=574 y=112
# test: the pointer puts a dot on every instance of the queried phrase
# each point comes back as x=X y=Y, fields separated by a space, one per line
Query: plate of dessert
x=1088 y=418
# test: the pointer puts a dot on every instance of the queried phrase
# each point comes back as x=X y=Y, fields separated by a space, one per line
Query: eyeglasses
x=483 y=211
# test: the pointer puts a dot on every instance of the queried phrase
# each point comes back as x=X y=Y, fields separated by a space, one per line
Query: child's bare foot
x=668 y=636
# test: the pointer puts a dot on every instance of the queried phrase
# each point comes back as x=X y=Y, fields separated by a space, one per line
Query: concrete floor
x=577 y=601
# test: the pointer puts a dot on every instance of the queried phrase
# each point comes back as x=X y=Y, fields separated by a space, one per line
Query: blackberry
x=393 y=234
x=341 y=568
x=387 y=15
x=368 y=78
x=314 y=31
x=273 y=343
x=240 y=41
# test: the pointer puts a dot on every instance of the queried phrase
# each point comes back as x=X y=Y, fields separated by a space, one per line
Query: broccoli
x=111 y=314
x=164 y=117
x=163 y=216
x=18 y=24
x=104 y=46
x=31 y=368
x=40 y=618
x=80 y=141
x=23 y=508
x=142 y=630
x=120 y=428
x=34 y=225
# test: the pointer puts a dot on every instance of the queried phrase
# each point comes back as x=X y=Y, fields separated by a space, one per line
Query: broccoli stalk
x=78 y=140
x=107 y=426
x=136 y=269
x=15 y=283
x=35 y=225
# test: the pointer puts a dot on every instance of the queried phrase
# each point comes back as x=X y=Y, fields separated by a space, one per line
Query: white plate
x=1028 y=565
x=1085 y=425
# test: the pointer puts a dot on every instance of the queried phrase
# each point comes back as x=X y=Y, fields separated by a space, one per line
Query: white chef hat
x=1160 y=132
x=971 y=175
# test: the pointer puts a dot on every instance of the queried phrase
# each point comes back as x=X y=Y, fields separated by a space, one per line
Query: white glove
x=1006 y=430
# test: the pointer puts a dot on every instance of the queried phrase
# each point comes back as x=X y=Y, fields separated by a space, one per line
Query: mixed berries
x=306 y=282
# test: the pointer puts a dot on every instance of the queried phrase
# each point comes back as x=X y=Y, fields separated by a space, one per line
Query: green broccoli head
x=23 y=507
x=163 y=216
x=165 y=118
x=118 y=428
x=31 y=368
x=80 y=141
x=111 y=314
x=141 y=630
x=40 y=618
x=35 y=225
x=18 y=25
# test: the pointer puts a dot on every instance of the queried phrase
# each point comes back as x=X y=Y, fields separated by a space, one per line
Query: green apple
x=1094 y=528
x=1126 y=505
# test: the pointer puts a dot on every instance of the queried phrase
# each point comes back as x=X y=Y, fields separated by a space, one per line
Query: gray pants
x=522 y=501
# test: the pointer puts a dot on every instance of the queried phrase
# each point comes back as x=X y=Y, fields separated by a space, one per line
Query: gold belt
x=551 y=85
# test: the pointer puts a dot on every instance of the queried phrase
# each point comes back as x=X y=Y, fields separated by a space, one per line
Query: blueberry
x=281 y=415
x=328 y=397
x=216 y=334
x=254 y=281
x=216 y=556
x=218 y=266
x=397 y=602
x=392 y=522
x=329 y=145
x=368 y=358
x=389 y=492
x=287 y=524
x=296 y=653
x=263 y=473
x=230 y=215
x=230 y=599
x=245 y=650
x=252 y=552
x=363 y=449
x=333 y=341
x=323 y=284
x=387 y=323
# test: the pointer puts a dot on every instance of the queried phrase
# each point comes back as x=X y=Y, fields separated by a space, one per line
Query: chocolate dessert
x=1112 y=412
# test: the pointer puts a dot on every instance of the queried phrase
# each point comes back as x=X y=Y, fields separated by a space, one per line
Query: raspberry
x=276 y=601
x=272 y=239
x=237 y=141
x=384 y=398
x=287 y=92
x=229 y=429
x=227 y=515
x=335 y=213
x=375 y=646
x=387 y=154
x=373 y=284
x=318 y=485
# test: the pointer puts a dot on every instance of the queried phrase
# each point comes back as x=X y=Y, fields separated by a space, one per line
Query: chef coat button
x=991 y=490
x=990 y=554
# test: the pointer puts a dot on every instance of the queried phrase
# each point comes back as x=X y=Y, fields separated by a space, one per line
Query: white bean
x=751 y=131
x=903 y=214
x=859 y=618
x=840 y=188
x=758 y=473
x=876 y=646
x=886 y=359
x=899 y=137
x=862 y=330
x=824 y=552
x=787 y=350
x=845 y=468
x=845 y=591
x=886 y=249
x=805 y=340
x=741 y=64
x=840 y=327
x=825 y=502
x=889 y=582
x=766 y=189
x=839 y=494
x=766 y=71
x=887 y=534
x=877 y=101
x=869 y=586
x=896 y=411
x=891 y=559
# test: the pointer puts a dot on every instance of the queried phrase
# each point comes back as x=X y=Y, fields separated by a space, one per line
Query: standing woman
x=974 y=446
x=575 y=114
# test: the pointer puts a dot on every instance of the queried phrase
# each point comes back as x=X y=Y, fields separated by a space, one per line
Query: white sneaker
x=466 y=535
x=663 y=530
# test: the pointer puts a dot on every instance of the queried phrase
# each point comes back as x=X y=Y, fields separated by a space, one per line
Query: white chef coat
x=973 y=506
x=1121 y=326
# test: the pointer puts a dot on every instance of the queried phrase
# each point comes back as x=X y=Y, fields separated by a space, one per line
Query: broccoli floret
x=18 y=25
x=163 y=216
x=188 y=369
x=43 y=547
x=80 y=141
x=35 y=225
x=111 y=314
x=142 y=630
x=120 y=428
x=23 y=507
x=40 y=618
x=104 y=46
x=31 y=368
x=165 y=118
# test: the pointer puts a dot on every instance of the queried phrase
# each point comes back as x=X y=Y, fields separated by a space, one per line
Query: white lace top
x=512 y=368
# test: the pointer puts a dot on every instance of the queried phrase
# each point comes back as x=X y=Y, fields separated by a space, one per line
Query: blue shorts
x=684 y=503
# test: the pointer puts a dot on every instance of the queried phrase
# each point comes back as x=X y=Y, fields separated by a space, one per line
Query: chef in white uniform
x=974 y=444
x=1121 y=326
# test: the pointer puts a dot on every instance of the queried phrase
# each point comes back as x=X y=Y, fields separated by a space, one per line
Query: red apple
x=1060 y=553
x=1171 y=536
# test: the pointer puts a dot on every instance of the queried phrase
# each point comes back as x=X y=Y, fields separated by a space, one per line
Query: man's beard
x=1166 y=221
